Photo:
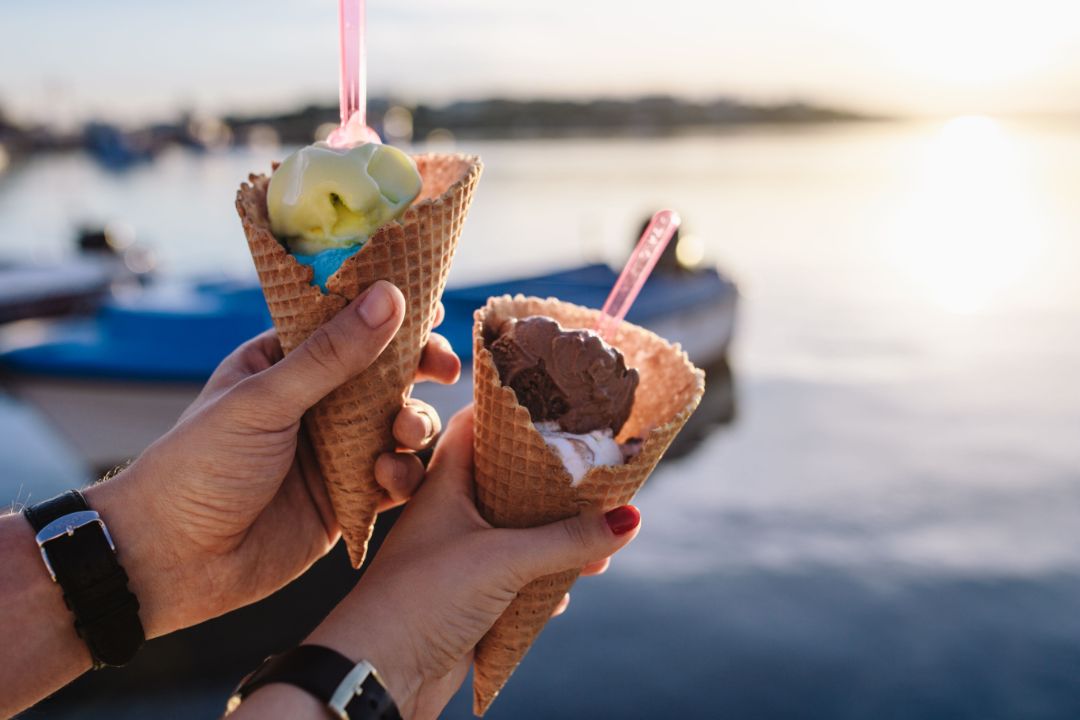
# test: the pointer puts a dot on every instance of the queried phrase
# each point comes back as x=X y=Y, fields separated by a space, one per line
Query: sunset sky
x=130 y=60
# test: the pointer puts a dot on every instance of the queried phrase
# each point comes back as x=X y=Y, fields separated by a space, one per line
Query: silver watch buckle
x=67 y=525
x=349 y=688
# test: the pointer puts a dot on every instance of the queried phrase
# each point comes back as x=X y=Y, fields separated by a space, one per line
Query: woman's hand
x=444 y=575
x=230 y=505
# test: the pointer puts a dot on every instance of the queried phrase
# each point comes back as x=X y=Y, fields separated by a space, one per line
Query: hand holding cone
x=521 y=481
x=352 y=425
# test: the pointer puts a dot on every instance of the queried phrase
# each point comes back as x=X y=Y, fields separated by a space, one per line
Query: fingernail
x=376 y=307
x=401 y=473
x=429 y=424
x=623 y=519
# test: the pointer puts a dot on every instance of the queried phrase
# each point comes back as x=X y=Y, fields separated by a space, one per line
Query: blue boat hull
x=180 y=333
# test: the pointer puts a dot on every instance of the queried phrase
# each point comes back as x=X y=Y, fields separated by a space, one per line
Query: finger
x=334 y=353
x=439 y=362
x=596 y=568
x=399 y=474
x=455 y=448
x=416 y=426
x=561 y=607
x=453 y=458
x=572 y=543
x=440 y=314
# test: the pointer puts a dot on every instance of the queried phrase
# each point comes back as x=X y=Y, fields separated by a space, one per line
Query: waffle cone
x=521 y=481
x=352 y=426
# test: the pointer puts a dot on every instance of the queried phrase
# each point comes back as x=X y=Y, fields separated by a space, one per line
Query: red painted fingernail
x=623 y=519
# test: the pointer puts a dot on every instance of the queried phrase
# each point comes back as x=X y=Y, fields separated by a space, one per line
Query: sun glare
x=969 y=43
x=969 y=229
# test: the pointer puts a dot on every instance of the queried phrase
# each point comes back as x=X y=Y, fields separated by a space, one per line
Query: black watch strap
x=80 y=555
x=323 y=674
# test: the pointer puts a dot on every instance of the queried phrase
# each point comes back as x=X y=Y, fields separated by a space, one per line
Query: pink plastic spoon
x=352 y=93
x=641 y=263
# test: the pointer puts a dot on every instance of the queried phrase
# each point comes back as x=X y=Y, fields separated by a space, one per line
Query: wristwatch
x=351 y=691
x=80 y=556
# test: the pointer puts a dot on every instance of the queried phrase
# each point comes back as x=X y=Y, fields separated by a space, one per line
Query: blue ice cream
x=324 y=203
x=326 y=263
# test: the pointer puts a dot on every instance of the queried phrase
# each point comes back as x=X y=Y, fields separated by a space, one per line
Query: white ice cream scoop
x=580 y=452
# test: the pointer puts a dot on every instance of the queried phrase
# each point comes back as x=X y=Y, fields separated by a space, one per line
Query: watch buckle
x=349 y=688
x=67 y=525
x=233 y=703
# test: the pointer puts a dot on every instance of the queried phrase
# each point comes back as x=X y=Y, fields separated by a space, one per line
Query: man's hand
x=230 y=505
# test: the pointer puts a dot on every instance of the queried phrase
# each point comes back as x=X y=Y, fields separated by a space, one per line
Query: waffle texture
x=352 y=426
x=521 y=481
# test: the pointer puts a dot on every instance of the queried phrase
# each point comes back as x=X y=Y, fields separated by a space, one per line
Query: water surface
x=888 y=528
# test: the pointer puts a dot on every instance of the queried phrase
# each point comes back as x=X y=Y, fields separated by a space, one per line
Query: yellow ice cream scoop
x=322 y=197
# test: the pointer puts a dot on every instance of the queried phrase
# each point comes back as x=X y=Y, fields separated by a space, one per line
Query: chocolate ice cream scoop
x=568 y=376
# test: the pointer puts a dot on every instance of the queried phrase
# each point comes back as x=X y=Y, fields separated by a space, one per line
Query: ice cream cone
x=352 y=426
x=521 y=481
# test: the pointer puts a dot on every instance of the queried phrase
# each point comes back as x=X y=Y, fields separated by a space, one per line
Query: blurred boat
x=114 y=148
x=114 y=382
x=694 y=309
x=76 y=285
x=32 y=291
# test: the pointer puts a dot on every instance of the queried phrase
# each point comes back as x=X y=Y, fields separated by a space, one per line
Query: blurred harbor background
x=881 y=518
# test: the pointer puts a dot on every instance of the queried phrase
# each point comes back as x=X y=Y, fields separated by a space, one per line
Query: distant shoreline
x=500 y=118
x=493 y=118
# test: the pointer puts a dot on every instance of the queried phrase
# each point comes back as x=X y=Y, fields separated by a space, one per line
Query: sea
x=884 y=522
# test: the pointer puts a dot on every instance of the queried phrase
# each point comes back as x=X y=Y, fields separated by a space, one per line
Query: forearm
x=41 y=651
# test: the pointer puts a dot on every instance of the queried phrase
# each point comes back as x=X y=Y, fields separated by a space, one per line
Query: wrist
x=280 y=700
x=354 y=630
x=154 y=573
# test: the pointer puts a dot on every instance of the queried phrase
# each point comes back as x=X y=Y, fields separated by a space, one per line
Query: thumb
x=336 y=352
x=571 y=543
